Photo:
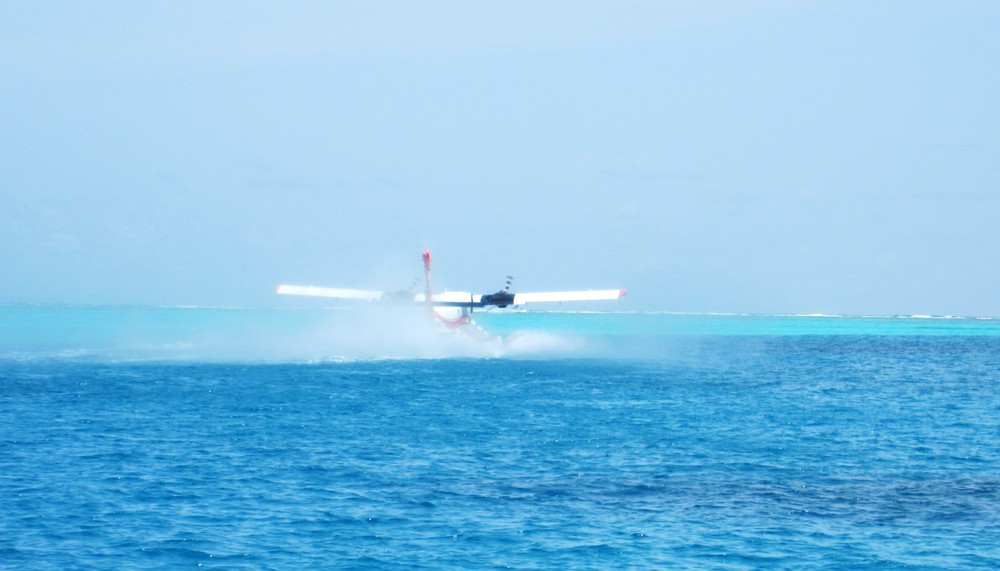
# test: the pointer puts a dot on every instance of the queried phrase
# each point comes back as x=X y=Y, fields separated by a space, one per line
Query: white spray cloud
x=277 y=336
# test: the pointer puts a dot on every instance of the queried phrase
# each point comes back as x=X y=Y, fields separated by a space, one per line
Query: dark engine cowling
x=502 y=298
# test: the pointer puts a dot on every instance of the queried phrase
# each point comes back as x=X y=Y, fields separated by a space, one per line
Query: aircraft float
x=453 y=308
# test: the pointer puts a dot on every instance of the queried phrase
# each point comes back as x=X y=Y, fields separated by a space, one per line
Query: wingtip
x=622 y=293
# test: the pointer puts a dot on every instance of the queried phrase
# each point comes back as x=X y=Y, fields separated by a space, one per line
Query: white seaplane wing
x=556 y=296
x=338 y=293
x=453 y=308
x=452 y=298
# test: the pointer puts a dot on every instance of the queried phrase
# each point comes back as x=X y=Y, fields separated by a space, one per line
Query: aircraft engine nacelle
x=502 y=298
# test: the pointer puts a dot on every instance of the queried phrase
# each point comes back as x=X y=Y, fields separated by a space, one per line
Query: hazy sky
x=792 y=157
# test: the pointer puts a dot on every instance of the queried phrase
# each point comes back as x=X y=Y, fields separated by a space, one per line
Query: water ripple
x=762 y=453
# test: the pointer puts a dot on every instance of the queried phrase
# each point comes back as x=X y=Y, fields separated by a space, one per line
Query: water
x=165 y=438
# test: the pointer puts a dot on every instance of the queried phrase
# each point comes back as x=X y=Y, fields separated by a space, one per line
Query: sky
x=737 y=157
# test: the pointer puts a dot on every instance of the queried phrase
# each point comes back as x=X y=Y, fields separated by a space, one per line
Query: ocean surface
x=284 y=439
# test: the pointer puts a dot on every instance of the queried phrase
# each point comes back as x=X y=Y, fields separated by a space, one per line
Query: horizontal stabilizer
x=590 y=295
x=338 y=293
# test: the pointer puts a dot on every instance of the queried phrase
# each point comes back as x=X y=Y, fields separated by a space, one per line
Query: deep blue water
x=646 y=442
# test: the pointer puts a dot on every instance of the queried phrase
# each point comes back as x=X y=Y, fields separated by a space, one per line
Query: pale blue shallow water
x=166 y=438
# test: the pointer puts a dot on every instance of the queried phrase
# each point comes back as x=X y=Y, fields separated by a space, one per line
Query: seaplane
x=453 y=309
